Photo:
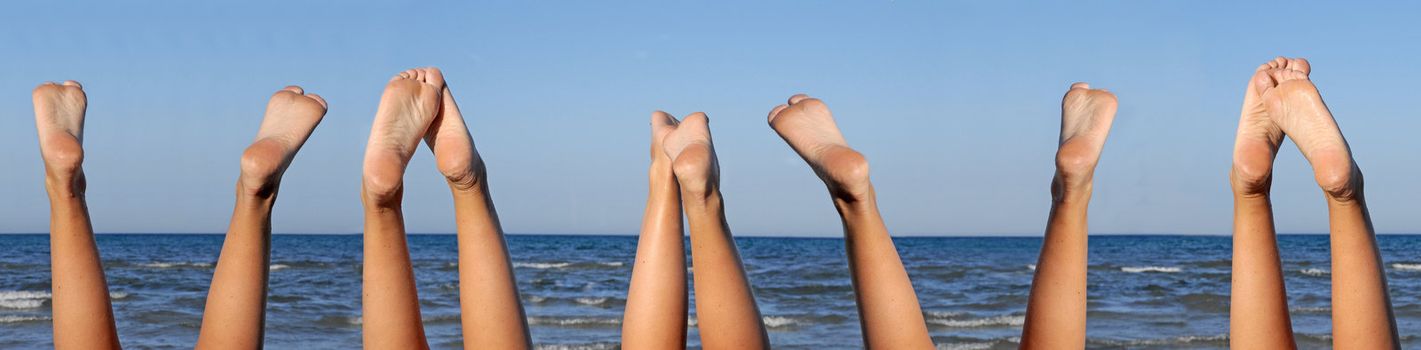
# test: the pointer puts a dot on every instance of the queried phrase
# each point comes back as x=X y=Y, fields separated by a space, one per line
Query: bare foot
x=453 y=148
x=692 y=154
x=1258 y=138
x=409 y=105
x=808 y=126
x=291 y=115
x=1086 y=115
x=1295 y=106
x=59 y=118
x=662 y=124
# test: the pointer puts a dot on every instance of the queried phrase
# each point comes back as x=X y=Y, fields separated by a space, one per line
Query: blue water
x=1145 y=291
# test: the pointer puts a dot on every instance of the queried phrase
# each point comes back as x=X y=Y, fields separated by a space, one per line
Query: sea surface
x=1145 y=291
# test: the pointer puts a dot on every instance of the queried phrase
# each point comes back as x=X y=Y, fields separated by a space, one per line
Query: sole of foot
x=454 y=153
x=408 y=106
x=807 y=125
x=692 y=154
x=1258 y=138
x=59 y=119
x=291 y=116
x=1294 y=104
x=1086 y=116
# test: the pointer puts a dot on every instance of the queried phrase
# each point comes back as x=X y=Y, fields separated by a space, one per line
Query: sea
x=1145 y=291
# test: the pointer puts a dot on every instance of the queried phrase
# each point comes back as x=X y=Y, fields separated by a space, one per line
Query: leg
x=488 y=294
x=390 y=305
x=725 y=306
x=83 y=317
x=1361 y=308
x=236 y=302
x=888 y=308
x=656 y=301
x=1056 y=310
x=1258 y=302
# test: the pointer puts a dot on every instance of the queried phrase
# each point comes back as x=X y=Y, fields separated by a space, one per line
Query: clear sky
x=955 y=104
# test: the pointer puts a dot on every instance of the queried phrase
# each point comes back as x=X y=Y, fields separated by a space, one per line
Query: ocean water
x=1145 y=291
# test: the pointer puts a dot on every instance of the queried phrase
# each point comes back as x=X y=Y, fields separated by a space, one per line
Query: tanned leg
x=1056 y=310
x=390 y=305
x=1258 y=302
x=83 y=317
x=1361 y=308
x=236 y=301
x=725 y=306
x=488 y=294
x=655 y=317
x=888 y=308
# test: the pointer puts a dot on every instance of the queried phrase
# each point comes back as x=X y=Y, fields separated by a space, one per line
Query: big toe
x=319 y=99
x=1080 y=85
x=73 y=84
x=432 y=76
x=775 y=112
x=1301 y=65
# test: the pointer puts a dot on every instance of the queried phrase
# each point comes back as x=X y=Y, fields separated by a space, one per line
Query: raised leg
x=492 y=313
x=656 y=300
x=83 y=317
x=236 y=301
x=1056 y=310
x=389 y=302
x=1361 y=307
x=1258 y=302
x=725 y=306
x=888 y=307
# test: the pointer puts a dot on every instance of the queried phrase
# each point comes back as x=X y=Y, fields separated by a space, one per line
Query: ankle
x=1341 y=186
x=1070 y=187
x=67 y=185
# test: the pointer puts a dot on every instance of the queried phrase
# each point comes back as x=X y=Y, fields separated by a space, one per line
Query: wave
x=1406 y=267
x=31 y=299
x=22 y=299
x=780 y=321
x=1142 y=269
x=23 y=319
x=575 y=322
x=588 y=346
x=592 y=301
x=275 y=267
x=1311 y=310
x=542 y=266
x=983 y=322
x=170 y=265
x=1031 y=267
x=1184 y=340
x=1315 y=272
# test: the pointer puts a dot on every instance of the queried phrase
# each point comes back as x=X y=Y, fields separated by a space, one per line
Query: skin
x=655 y=316
x=1287 y=103
x=83 y=316
x=236 y=302
x=1056 y=310
x=888 y=307
x=417 y=105
x=725 y=306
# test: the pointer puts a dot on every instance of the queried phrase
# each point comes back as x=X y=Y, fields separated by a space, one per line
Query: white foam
x=542 y=266
x=612 y=263
x=275 y=267
x=943 y=314
x=591 y=301
x=18 y=319
x=169 y=265
x=22 y=299
x=994 y=321
x=593 y=346
x=1406 y=267
x=1032 y=267
x=779 y=321
x=1314 y=309
x=574 y=321
x=1315 y=272
x=537 y=298
x=965 y=346
x=1142 y=269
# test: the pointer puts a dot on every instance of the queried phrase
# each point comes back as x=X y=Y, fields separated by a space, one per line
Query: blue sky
x=955 y=104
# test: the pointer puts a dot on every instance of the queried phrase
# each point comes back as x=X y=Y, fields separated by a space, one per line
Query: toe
x=797 y=97
x=1279 y=62
x=72 y=83
x=696 y=118
x=433 y=76
x=1263 y=82
x=776 y=112
x=1080 y=85
x=1300 y=64
x=319 y=100
x=295 y=89
x=662 y=118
